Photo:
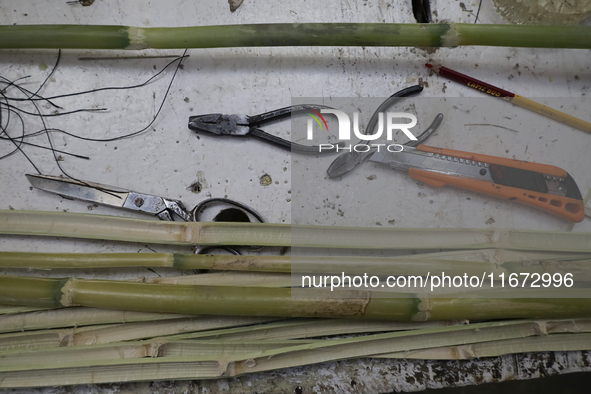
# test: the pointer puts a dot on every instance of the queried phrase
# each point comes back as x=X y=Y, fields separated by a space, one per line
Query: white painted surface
x=168 y=158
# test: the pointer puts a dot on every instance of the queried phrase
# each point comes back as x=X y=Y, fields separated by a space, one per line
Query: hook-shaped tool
x=349 y=160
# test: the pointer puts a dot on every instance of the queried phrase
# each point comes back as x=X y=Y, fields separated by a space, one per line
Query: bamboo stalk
x=11 y=310
x=112 y=333
x=114 y=373
x=376 y=344
x=294 y=34
x=191 y=362
x=551 y=343
x=465 y=261
x=216 y=233
x=75 y=317
x=47 y=261
x=309 y=328
x=256 y=301
x=246 y=279
x=161 y=348
x=146 y=330
x=202 y=327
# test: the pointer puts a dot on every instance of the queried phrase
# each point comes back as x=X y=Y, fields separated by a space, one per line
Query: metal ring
x=205 y=249
x=196 y=211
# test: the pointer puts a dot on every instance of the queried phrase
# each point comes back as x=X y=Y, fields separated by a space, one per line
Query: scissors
x=163 y=208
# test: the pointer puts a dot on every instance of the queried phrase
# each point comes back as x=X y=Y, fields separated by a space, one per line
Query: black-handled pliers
x=242 y=125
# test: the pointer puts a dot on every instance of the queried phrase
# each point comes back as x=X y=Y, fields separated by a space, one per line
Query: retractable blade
x=543 y=186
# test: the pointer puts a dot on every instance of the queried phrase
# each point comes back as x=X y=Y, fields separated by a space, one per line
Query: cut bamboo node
x=67 y=290
x=424 y=310
x=496 y=235
x=227 y=369
x=450 y=38
x=540 y=328
x=465 y=352
x=250 y=363
x=186 y=235
x=137 y=38
x=568 y=326
x=152 y=349
x=65 y=338
x=332 y=304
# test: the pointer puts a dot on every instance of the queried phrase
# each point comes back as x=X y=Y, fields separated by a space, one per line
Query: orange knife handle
x=566 y=207
x=523 y=165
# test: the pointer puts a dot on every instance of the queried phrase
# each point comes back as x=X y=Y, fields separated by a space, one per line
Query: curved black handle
x=292 y=146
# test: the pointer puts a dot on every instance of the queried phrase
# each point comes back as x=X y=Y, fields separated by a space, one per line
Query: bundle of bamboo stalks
x=242 y=317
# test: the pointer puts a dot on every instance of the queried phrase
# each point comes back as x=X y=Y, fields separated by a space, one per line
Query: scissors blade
x=86 y=191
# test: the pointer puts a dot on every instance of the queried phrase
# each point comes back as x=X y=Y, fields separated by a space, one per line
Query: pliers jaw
x=220 y=124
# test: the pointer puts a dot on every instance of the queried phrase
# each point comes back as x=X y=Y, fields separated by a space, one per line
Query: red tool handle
x=567 y=207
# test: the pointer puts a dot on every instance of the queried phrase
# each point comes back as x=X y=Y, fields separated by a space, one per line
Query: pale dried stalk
x=75 y=317
x=464 y=261
x=551 y=343
x=264 y=234
x=246 y=279
x=111 y=333
x=191 y=360
x=11 y=310
x=310 y=328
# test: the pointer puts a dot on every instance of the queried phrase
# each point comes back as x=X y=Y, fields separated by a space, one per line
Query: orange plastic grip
x=568 y=208
x=523 y=165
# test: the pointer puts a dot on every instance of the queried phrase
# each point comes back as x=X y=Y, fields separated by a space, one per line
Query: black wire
x=124 y=136
x=55 y=114
x=57 y=62
x=478 y=12
x=34 y=96
x=178 y=59
x=31 y=94
x=17 y=145
x=41 y=116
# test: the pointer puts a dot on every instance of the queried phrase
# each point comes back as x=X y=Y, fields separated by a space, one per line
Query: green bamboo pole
x=464 y=261
x=255 y=301
x=293 y=34
x=215 y=233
